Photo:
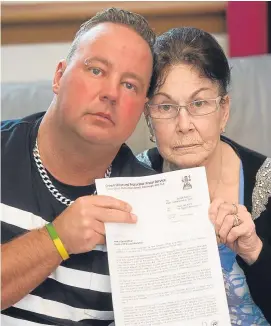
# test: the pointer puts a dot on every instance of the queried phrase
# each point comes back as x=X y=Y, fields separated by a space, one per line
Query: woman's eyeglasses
x=195 y=108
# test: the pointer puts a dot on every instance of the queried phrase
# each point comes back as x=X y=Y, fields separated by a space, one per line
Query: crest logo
x=187 y=182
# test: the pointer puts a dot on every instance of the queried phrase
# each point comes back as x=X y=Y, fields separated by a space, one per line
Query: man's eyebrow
x=87 y=61
x=134 y=76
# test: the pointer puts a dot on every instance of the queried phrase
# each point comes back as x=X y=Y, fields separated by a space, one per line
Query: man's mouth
x=104 y=115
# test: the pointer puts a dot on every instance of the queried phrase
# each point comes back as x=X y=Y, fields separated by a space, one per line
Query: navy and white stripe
x=78 y=292
x=69 y=291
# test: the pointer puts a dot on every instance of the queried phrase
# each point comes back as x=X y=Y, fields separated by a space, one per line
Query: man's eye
x=130 y=86
x=96 y=71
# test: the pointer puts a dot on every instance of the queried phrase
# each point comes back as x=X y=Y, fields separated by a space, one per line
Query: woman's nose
x=183 y=120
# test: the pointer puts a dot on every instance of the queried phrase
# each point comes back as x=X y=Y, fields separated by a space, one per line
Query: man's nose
x=110 y=90
x=184 y=120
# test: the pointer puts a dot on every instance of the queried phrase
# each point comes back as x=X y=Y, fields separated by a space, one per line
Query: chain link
x=48 y=183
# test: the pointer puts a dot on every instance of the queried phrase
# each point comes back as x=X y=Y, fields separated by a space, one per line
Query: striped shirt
x=78 y=291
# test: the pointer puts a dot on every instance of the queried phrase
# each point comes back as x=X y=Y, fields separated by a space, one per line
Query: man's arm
x=29 y=259
x=26 y=262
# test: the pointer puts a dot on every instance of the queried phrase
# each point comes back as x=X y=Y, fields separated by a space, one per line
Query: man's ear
x=58 y=74
x=225 y=111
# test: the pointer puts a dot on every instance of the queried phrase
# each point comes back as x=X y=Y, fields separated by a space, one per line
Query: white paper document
x=165 y=269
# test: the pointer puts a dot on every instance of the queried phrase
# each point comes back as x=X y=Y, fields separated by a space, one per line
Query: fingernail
x=134 y=217
x=212 y=218
x=129 y=208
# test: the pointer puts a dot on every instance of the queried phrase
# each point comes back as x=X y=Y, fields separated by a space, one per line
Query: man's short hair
x=118 y=16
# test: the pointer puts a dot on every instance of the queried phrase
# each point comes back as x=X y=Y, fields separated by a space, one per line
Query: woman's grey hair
x=191 y=46
x=118 y=16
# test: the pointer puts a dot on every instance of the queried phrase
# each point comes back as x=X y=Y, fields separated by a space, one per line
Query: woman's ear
x=149 y=124
x=224 y=111
x=58 y=75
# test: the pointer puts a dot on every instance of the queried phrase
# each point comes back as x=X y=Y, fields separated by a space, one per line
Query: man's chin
x=102 y=140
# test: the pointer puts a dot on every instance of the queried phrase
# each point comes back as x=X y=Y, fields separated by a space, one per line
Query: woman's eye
x=96 y=71
x=165 y=107
x=130 y=86
x=198 y=104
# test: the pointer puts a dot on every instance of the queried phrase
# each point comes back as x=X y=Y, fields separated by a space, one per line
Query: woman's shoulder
x=252 y=161
x=257 y=174
x=245 y=153
x=261 y=195
x=257 y=178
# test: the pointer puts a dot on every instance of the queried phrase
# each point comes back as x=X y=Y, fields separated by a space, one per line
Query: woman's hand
x=235 y=228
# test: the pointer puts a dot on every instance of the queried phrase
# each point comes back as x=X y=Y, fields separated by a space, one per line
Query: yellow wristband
x=58 y=243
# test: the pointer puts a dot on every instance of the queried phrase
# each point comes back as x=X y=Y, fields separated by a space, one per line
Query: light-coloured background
x=30 y=62
x=36 y=36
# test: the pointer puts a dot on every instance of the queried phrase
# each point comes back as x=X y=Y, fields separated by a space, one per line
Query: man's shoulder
x=8 y=127
x=16 y=144
x=13 y=132
x=128 y=165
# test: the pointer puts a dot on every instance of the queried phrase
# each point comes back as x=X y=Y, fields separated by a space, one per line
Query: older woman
x=187 y=113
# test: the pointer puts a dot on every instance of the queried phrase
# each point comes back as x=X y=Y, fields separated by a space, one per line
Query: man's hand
x=81 y=226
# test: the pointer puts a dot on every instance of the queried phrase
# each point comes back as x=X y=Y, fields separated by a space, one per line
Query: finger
x=214 y=206
x=244 y=229
x=218 y=239
x=98 y=227
x=98 y=239
x=106 y=202
x=225 y=228
x=107 y=215
x=217 y=202
x=224 y=210
x=241 y=209
x=101 y=239
x=92 y=241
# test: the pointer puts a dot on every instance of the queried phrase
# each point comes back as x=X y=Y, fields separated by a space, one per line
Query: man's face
x=101 y=93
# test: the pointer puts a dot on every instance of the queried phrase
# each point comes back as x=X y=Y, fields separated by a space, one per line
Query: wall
x=36 y=35
x=30 y=62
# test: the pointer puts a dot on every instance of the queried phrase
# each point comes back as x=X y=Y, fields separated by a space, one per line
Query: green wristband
x=58 y=243
x=52 y=231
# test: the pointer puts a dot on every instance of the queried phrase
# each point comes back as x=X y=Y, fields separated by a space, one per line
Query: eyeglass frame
x=217 y=102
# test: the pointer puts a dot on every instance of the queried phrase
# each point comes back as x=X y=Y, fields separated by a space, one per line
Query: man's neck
x=70 y=159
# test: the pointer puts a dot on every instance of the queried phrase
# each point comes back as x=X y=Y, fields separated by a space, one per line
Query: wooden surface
x=58 y=21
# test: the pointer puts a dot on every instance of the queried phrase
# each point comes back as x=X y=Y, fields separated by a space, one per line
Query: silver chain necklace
x=48 y=183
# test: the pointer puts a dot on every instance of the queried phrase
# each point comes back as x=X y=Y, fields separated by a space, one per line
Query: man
x=57 y=273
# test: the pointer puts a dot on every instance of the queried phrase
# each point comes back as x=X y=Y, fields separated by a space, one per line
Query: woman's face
x=188 y=141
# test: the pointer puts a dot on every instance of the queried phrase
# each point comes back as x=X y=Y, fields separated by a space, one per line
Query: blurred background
x=36 y=35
